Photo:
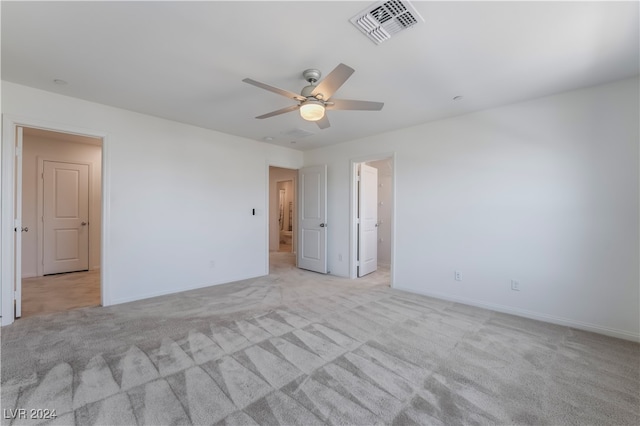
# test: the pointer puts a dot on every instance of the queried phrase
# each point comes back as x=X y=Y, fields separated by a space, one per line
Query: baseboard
x=580 y=325
x=29 y=275
x=180 y=290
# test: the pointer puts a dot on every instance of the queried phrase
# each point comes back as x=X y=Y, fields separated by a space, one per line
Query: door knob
x=84 y=223
x=25 y=229
x=322 y=225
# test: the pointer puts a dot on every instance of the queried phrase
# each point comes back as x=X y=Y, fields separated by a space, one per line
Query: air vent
x=298 y=133
x=381 y=21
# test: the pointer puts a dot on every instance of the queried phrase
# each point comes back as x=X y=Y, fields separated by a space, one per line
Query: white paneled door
x=65 y=217
x=368 y=220
x=312 y=235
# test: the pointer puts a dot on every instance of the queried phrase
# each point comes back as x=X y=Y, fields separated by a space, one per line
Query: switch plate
x=515 y=285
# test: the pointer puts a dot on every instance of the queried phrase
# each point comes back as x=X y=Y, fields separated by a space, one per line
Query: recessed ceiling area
x=185 y=61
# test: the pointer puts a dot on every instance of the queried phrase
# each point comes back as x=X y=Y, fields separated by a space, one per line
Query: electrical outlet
x=212 y=264
x=340 y=257
x=515 y=285
x=457 y=275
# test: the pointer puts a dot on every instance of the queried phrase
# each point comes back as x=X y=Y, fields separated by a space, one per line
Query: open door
x=17 y=267
x=312 y=235
x=367 y=220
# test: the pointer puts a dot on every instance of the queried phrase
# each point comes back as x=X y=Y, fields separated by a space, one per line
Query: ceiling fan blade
x=333 y=81
x=277 y=90
x=323 y=123
x=280 y=111
x=354 y=105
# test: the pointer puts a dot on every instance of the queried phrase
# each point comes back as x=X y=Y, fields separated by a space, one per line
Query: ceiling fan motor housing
x=311 y=75
x=306 y=91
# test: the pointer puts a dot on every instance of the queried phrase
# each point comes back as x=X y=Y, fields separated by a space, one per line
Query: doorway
x=372 y=220
x=285 y=215
x=282 y=213
x=61 y=222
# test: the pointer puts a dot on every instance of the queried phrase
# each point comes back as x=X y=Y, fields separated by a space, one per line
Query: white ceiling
x=185 y=61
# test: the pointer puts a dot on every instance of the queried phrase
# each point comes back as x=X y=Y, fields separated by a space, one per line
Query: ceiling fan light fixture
x=316 y=98
x=312 y=110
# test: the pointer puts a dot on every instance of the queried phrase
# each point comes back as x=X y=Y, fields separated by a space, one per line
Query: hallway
x=59 y=293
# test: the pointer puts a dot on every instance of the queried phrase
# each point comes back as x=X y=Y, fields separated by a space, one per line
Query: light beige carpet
x=301 y=348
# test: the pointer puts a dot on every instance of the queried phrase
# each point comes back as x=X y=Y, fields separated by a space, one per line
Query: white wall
x=179 y=197
x=278 y=174
x=35 y=148
x=544 y=192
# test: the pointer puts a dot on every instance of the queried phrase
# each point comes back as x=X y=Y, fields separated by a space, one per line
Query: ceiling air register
x=381 y=21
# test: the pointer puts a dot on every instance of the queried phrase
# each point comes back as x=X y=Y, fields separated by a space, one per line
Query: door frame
x=10 y=123
x=40 y=208
x=353 y=212
x=267 y=203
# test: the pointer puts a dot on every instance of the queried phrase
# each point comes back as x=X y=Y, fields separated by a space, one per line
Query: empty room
x=320 y=212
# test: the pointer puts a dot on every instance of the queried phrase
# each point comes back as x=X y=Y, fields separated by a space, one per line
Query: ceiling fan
x=315 y=98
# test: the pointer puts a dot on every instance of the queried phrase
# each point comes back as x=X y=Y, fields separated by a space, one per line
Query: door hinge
x=19 y=151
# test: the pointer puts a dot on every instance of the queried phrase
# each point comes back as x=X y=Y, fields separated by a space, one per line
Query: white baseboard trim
x=580 y=325
x=180 y=290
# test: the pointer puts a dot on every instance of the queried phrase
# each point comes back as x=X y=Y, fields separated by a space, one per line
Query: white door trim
x=17 y=276
x=40 y=206
x=7 y=185
x=353 y=243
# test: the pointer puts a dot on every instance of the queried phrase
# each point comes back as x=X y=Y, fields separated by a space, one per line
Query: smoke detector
x=380 y=21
